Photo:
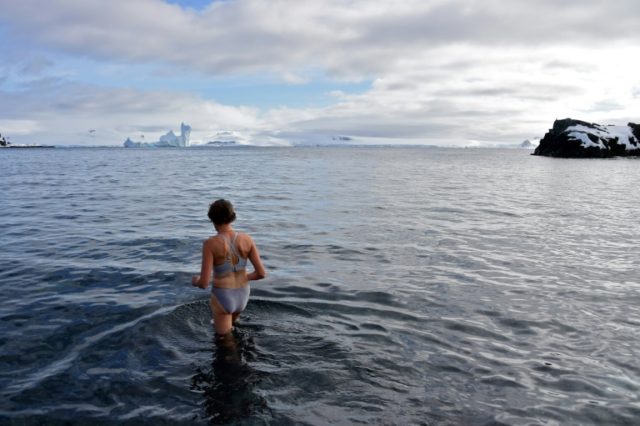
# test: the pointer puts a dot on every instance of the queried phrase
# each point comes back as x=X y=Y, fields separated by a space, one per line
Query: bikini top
x=227 y=267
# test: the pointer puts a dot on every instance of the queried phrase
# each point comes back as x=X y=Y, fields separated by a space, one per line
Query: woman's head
x=221 y=212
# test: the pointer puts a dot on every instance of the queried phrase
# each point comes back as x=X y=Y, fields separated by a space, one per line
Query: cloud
x=440 y=69
x=36 y=66
x=19 y=127
x=356 y=37
x=292 y=78
x=63 y=113
x=491 y=95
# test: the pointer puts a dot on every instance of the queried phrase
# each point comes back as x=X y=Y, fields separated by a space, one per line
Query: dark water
x=407 y=286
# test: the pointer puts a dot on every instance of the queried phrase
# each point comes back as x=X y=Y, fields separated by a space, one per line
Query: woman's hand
x=194 y=280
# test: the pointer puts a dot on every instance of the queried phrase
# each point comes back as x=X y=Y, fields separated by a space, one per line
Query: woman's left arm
x=203 y=279
x=259 y=271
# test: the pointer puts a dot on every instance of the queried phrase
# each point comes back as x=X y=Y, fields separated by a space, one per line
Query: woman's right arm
x=203 y=279
x=259 y=271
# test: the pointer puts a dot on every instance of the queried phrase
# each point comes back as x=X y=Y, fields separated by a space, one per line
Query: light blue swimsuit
x=233 y=300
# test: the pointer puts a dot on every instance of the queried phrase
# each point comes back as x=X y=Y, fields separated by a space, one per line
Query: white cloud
x=17 y=127
x=355 y=37
x=65 y=113
x=490 y=95
x=292 y=78
x=441 y=69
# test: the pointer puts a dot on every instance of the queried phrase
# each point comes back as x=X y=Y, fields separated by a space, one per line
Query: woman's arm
x=203 y=279
x=259 y=271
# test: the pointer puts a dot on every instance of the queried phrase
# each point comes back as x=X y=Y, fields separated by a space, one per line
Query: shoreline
x=28 y=146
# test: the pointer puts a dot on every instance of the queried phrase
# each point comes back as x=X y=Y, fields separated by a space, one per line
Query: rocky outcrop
x=578 y=139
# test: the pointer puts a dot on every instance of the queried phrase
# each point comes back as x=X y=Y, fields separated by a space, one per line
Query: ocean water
x=406 y=286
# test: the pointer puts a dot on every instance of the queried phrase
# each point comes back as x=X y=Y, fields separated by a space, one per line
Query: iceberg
x=168 y=140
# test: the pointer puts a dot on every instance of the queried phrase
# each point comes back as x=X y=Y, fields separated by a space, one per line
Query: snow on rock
x=575 y=138
x=167 y=140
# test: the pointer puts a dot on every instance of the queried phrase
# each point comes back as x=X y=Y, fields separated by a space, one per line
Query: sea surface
x=406 y=286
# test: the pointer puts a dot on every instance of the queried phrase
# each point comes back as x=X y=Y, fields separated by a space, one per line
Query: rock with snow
x=578 y=139
x=168 y=140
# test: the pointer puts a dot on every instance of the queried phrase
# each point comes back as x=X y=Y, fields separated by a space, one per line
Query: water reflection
x=228 y=385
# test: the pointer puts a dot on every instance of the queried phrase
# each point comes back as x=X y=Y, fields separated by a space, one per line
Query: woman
x=227 y=253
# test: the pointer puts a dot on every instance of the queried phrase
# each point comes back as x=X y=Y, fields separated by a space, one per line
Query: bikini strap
x=233 y=247
x=231 y=243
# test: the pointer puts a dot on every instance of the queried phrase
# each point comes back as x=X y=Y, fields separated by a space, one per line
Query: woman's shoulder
x=212 y=241
x=244 y=241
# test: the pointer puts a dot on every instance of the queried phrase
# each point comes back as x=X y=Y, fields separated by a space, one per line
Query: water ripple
x=407 y=286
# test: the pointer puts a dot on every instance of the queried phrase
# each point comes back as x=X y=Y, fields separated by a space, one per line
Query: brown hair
x=221 y=212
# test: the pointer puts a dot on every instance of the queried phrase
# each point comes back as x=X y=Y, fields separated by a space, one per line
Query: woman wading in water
x=226 y=255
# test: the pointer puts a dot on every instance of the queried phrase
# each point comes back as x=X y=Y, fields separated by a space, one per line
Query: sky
x=278 y=72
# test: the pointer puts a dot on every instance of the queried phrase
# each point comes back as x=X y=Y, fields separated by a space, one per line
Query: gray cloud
x=360 y=37
x=530 y=91
x=36 y=66
x=54 y=111
x=605 y=105
x=442 y=69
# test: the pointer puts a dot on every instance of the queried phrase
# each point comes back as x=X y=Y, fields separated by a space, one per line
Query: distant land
x=4 y=143
x=527 y=144
x=225 y=138
x=568 y=138
x=571 y=138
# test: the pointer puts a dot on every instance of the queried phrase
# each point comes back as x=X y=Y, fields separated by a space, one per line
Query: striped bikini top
x=227 y=267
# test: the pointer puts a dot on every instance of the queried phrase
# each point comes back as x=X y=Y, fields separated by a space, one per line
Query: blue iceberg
x=168 y=140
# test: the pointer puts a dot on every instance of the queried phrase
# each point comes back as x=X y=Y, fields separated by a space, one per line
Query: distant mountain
x=527 y=144
x=218 y=143
x=226 y=138
x=306 y=139
x=4 y=143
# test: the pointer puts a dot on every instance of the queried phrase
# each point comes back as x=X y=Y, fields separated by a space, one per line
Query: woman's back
x=230 y=253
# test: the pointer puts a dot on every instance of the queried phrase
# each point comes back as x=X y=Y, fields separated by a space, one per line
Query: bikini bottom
x=232 y=300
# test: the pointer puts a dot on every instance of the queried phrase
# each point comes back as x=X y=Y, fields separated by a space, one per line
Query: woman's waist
x=230 y=287
x=230 y=275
